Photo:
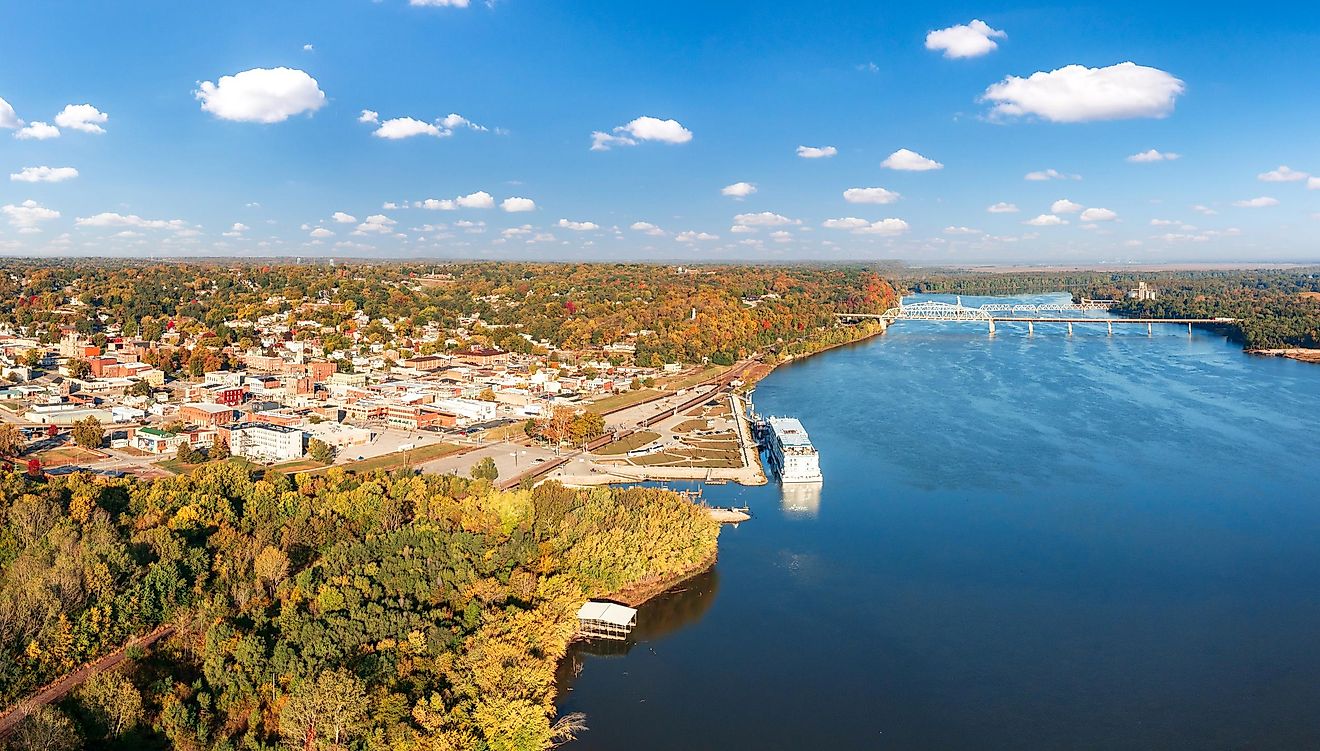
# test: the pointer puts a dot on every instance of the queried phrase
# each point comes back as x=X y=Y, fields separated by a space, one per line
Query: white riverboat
x=790 y=450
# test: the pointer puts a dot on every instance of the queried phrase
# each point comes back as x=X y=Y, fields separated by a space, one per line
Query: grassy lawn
x=619 y=401
x=687 y=426
x=388 y=462
x=512 y=432
x=178 y=467
x=636 y=440
x=688 y=380
x=298 y=465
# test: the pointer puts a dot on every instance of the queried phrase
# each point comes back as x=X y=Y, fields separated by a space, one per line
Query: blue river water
x=1043 y=542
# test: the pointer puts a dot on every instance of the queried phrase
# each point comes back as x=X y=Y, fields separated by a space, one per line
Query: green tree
x=46 y=729
x=139 y=388
x=79 y=369
x=485 y=470
x=321 y=451
x=88 y=432
x=186 y=454
x=219 y=450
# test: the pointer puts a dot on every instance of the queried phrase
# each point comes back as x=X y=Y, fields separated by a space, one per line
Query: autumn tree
x=219 y=450
x=88 y=432
x=112 y=701
x=11 y=440
x=325 y=713
x=320 y=451
x=485 y=470
x=79 y=369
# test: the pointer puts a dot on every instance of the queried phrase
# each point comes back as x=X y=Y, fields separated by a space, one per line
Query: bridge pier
x=1189 y=329
x=1111 y=328
x=1070 y=328
x=992 y=327
x=1150 y=330
x=1031 y=328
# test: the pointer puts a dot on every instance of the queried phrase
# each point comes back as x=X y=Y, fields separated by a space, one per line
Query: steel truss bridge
x=993 y=313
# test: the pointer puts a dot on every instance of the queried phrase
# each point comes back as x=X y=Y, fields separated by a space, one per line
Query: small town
x=97 y=404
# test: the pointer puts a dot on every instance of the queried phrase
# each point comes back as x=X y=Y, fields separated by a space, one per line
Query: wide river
x=1021 y=543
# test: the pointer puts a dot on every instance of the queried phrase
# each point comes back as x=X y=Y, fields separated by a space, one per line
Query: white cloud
x=9 y=119
x=738 y=190
x=910 y=161
x=763 y=219
x=112 y=219
x=1075 y=94
x=1153 y=156
x=1002 y=208
x=342 y=218
x=407 y=127
x=644 y=128
x=1313 y=183
x=1256 y=203
x=239 y=227
x=1064 y=206
x=38 y=131
x=647 y=228
x=479 y=200
x=688 y=237
x=1282 y=174
x=869 y=195
x=1204 y=210
x=1049 y=174
x=1098 y=215
x=862 y=226
x=44 y=174
x=309 y=47
x=376 y=223
x=27 y=216
x=578 y=226
x=965 y=40
x=369 y=116
x=816 y=152
x=261 y=95
x=961 y=231
x=1046 y=220
x=781 y=236
x=515 y=205
x=82 y=117
x=321 y=233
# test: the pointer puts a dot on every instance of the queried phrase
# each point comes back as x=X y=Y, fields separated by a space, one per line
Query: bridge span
x=991 y=314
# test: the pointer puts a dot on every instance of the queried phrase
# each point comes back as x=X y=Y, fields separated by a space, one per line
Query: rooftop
x=607 y=612
x=790 y=431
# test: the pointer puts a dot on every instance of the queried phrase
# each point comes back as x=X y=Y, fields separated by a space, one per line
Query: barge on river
x=790 y=451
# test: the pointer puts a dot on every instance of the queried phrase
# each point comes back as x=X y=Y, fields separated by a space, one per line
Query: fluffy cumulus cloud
x=28 y=216
x=1064 y=206
x=82 y=117
x=1313 y=183
x=1282 y=174
x=1152 y=155
x=261 y=95
x=376 y=223
x=44 y=174
x=407 y=127
x=644 y=128
x=37 y=131
x=1256 y=203
x=763 y=219
x=691 y=237
x=864 y=227
x=1003 y=207
x=515 y=204
x=1046 y=220
x=738 y=190
x=320 y=233
x=479 y=200
x=9 y=119
x=578 y=226
x=113 y=219
x=1075 y=93
x=646 y=228
x=961 y=231
x=910 y=161
x=1098 y=215
x=869 y=195
x=816 y=152
x=340 y=217
x=965 y=40
x=1049 y=174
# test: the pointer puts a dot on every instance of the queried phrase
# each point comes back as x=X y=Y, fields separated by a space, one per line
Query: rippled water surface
x=1021 y=542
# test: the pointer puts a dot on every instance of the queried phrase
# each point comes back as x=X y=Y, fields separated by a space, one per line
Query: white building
x=469 y=411
x=263 y=442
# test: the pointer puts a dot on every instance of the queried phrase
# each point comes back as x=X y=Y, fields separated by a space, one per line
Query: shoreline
x=1300 y=354
x=640 y=592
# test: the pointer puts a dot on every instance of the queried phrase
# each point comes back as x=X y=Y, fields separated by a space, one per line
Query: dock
x=598 y=619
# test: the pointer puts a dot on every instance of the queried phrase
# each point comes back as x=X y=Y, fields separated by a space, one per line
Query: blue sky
x=242 y=128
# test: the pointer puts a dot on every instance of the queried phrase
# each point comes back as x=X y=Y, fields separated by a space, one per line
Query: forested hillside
x=377 y=611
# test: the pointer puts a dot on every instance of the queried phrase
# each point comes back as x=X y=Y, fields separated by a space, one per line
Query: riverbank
x=1300 y=354
x=638 y=593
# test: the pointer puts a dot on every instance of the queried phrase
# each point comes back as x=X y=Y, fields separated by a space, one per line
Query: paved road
x=58 y=689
